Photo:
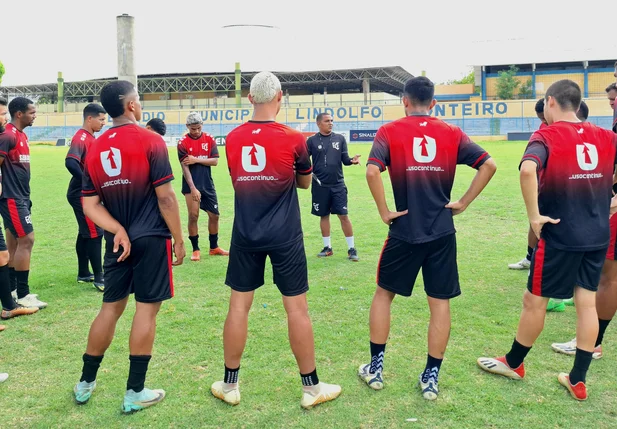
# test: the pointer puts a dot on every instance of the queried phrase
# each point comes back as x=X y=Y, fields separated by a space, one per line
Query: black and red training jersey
x=15 y=169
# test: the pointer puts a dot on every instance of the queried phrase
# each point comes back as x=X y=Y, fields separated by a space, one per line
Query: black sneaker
x=352 y=255
x=85 y=279
x=327 y=251
x=99 y=283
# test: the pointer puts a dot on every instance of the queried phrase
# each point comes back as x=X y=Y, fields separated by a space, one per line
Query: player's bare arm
x=189 y=180
x=210 y=162
x=168 y=204
x=100 y=216
x=483 y=176
x=303 y=181
x=529 y=188
x=375 y=184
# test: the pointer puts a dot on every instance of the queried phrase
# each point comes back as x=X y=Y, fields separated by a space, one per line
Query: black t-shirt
x=328 y=153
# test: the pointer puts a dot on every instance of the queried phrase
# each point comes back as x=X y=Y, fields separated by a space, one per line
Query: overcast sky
x=444 y=38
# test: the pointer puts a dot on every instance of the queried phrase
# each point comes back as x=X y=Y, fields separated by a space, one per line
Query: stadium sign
x=220 y=140
x=362 y=135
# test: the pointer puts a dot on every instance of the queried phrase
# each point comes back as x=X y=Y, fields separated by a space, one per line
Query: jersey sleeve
x=536 y=151
x=303 y=162
x=87 y=186
x=214 y=150
x=182 y=152
x=160 y=168
x=7 y=142
x=77 y=150
x=470 y=153
x=380 y=152
x=309 y=146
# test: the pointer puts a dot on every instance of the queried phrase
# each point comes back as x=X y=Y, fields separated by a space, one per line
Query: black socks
x=310 y=379
x=22 y=283
x=582 y=360
x=194 y=241
x=8 y=303
x=214 y=241
x=377 y=353
x=137 y=372
x=81 y=247
x=603 y=325
x=231 y=375
x=517 y=354
x=91 y=367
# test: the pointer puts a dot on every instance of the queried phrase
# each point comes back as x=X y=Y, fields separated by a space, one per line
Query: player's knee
x=213 y=217
x=533 y=302
x=344 y=218
x=26 y=242
x=193 y=218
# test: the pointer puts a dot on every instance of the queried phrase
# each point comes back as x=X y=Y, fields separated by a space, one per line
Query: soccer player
x=532 y=241
x=15 y=203
x=198 y=153
x=329 y=153
x=570 y=216
x=611 y=94
x=10 y=308
x=89 y=236
x=421 y=153
x=157 y=125
x=267 y=161
x=127 y=192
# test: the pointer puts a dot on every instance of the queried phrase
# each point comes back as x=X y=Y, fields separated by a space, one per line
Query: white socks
x=350 y=242
x=326 y=242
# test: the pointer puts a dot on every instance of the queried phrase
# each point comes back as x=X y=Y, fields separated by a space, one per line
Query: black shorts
x=146 y=272
x=208 y=203
x=16 y=215
x=400 y=263
x=329 y=200
x=554 y=273
x=87 y=228
x=245 y=271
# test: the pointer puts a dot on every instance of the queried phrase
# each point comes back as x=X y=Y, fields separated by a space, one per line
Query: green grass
x=43 y=352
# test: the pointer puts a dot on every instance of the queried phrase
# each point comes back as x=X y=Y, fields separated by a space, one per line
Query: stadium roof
x=381 y=79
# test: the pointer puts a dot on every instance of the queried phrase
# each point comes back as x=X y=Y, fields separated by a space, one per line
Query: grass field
x=43 y=352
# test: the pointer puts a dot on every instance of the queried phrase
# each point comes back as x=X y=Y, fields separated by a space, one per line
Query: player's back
x=124 y=165
x=422 y=154
x=575 y=183
x=262 y=158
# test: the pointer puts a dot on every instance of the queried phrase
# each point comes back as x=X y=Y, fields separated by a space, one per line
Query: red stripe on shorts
x=169 y=261
x=15 y=220
x=538 y=262
x=610 y=253
x=91 y=225
x=380 y=256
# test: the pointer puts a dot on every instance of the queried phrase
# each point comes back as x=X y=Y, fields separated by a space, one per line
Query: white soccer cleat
x=31 y=300
x=523 y=264
x=569 y=349
x=324 y=393
x=3 y=377
x=232 y=396
x=373 y=380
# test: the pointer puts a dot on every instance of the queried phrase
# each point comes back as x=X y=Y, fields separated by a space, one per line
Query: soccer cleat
x=500 y=366
x=218 y=252
x=3 y=377
x=196 y=256
x=428 y=384
x=578 y=391
x=352 y=255
x=569 y=302
x=135 y=401
x=14 y=294
x=2 y=328
x=232 y=396
x=99 y=283
x=373 y=380
x=85 y=279
x=569 y=349
x=556 y=305
x=31 y=300
x=326 y=251
x=523 y=264
x=83 y=390
x=324 y=393
x=19 y=311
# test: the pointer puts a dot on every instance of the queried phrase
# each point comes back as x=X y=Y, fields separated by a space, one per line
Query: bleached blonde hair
x=265 y=86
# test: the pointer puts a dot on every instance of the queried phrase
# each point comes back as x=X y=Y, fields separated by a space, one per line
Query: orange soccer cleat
x=218 y=252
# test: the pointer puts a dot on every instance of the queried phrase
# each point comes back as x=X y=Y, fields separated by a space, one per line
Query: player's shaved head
x=420 y=91
x=157 y=125
x=115 y=95
x=265 y=87
x=566 y=93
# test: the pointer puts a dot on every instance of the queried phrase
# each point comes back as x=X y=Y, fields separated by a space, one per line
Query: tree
x=1 y=71
x=525 y=90
x=470 y=78
x=507 y=83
